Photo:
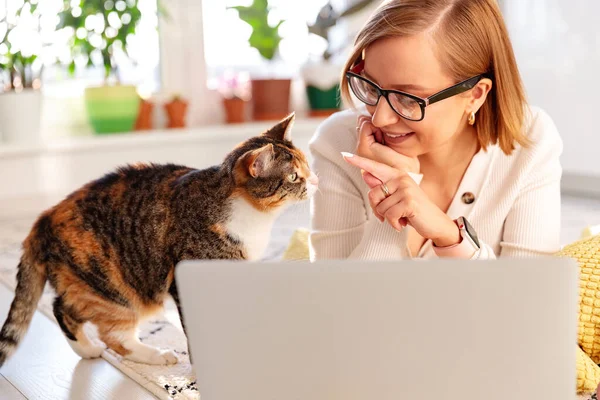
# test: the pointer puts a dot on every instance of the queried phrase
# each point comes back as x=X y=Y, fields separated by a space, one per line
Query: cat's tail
x=31 y=279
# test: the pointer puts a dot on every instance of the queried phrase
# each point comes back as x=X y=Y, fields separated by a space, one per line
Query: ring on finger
x=385 y=190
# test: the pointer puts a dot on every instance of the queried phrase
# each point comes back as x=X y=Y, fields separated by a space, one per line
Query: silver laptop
x=350 y=330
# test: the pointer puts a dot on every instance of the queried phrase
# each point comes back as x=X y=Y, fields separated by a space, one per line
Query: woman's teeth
x=398 y=136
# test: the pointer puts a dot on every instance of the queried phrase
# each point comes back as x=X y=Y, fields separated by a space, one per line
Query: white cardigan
x=516 y=212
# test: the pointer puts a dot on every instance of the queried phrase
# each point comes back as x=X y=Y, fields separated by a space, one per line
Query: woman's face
x=410 y=65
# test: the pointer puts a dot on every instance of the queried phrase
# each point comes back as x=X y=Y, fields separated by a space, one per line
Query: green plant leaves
x=97 y=8
x=264 y=38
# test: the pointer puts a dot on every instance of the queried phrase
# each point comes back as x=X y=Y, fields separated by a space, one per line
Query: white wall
x=557 y=44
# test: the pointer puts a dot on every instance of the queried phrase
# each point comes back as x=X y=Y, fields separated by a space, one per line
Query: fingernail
x=347 y=155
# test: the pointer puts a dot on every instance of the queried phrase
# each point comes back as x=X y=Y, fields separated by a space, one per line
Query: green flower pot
x=112 y=109
x=320 y=99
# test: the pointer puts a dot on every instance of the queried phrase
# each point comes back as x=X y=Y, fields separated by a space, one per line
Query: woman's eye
x=293 y=177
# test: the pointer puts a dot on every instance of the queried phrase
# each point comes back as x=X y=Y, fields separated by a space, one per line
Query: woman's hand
x=406 y=204
x=371 y=145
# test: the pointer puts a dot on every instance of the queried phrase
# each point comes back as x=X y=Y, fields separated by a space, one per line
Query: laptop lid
x=349 y=330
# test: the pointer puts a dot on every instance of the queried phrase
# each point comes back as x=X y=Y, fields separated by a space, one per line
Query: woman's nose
x=384 y=115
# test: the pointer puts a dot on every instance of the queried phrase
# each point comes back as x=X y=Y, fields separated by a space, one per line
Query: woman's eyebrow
x=402 y=87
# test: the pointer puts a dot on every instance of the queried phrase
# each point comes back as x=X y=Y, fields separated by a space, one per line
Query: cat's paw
x=164 y=357
x=94 y=349
x=153 y=356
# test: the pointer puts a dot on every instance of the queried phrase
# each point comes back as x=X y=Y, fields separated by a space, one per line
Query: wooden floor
x=44 y=367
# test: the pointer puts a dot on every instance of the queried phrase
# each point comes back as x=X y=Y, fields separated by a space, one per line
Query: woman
x=450 y=160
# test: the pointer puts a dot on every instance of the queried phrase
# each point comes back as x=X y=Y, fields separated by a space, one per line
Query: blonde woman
x=444 y=157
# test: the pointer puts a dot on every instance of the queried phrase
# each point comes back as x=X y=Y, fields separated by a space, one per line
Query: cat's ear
x=283 y=130
x=258 y=161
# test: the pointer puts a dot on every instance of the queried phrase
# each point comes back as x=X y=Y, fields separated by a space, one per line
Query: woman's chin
x=409 y=150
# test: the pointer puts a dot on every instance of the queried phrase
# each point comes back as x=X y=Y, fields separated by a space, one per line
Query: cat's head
x=269 y=171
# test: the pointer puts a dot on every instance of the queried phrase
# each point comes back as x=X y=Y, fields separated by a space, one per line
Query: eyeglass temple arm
x=456 y=89
x=358 y=68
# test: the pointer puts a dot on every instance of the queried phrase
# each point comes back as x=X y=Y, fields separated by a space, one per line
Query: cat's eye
x=293 y=177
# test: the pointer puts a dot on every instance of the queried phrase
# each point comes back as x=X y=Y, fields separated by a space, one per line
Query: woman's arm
x=342 y=224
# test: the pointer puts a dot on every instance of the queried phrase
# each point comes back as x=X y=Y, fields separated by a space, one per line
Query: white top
x=516 y=212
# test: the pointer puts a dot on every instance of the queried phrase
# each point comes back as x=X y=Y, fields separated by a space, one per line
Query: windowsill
x=156 y=137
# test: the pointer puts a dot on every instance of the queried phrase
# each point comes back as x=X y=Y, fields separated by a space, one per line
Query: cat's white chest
x=250 y=226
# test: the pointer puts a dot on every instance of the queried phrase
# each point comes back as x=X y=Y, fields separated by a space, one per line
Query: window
x=226 y=44
x=142 y=68
x=36 y=33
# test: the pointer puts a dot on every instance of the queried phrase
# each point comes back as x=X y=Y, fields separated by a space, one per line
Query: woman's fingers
x=371 y=144
x=379 y=170
x=393 y=201
x=397 y=215
x=370 y=180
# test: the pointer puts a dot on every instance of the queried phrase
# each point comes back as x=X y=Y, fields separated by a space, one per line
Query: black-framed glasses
x=404 y=104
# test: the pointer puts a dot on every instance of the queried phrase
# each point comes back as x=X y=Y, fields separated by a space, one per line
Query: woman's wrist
x=451 y=247
x=449 y=237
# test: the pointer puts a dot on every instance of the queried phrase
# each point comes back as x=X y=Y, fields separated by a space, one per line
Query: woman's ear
x=479 y=94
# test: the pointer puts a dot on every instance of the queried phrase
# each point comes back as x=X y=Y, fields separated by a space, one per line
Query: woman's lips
x=397 y=138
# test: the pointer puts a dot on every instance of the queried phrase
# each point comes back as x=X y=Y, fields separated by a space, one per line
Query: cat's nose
x=313 y=180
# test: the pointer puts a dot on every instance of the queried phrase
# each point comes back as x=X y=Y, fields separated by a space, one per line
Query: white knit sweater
x=516 y=212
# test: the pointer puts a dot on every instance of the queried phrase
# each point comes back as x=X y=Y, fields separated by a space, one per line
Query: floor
x=45 y=367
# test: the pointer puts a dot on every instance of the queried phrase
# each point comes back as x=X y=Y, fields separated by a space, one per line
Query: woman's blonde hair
x=471 y=38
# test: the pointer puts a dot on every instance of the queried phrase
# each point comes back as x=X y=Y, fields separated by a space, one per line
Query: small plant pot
x=321 y=80
x=323 y=102
x=20 y=116
x=235 y=110
x=144 y=119
x=176 y=113
x=270 y=99
x=112 y=109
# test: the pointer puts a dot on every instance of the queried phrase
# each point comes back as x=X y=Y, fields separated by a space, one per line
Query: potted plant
x=234 y=89
x=111 y=106
x=20 y=74
x=176 y=109
x=321 y=77
x=144 y=120
x=270 y=96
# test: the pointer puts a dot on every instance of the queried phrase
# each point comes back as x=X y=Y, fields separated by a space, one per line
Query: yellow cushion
x=587 y=253
x=588 y=373
x=298 y=246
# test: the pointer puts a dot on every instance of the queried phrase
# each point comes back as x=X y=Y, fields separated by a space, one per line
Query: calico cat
x=109 y=249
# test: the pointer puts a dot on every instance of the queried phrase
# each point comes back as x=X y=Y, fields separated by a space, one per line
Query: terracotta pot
x=235 y=110
x=144 y=119
x=176 y=113
x=270 y=99
x=322 y=113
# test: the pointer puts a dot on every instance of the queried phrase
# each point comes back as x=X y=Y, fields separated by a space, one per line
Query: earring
x=471 y=119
